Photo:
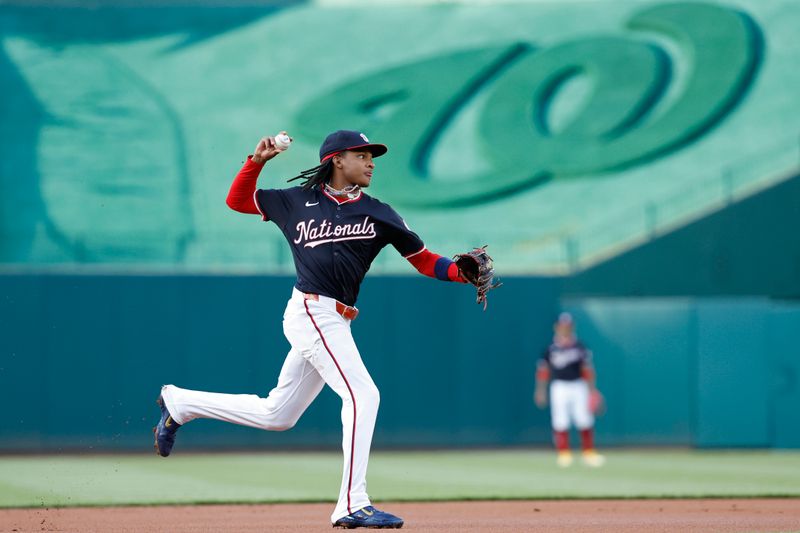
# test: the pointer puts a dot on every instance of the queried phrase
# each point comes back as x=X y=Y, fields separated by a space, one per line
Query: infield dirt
x=685 y=516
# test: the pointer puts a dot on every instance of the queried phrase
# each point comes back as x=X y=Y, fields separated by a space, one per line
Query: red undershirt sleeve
x=240 y=195
x=435 y=266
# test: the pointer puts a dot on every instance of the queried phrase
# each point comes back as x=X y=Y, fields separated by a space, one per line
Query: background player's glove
x=478 y=268
x=597 y=403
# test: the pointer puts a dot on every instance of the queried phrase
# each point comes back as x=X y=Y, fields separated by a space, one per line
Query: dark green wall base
x=699 y=372
x=84 y=358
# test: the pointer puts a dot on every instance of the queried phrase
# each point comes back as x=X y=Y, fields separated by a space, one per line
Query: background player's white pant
x=323 y=351
x=569 y=403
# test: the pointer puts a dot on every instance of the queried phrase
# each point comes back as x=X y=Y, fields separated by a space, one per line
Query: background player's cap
x=564 y=326
x=342 y=140
x=565 y=318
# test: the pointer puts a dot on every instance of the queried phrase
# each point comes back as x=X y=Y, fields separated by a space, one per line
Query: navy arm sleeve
x=405 y=241
x=274 y=205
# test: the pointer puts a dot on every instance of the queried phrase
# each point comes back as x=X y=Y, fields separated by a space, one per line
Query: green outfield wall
x=635 y=162
x=533 y=126
x=84 y=357
x=740 y=248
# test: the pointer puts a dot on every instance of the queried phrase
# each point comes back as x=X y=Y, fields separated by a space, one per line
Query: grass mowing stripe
x=440 y=475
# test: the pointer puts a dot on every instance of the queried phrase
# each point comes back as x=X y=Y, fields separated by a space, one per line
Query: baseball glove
x=478 y=268
x=597 y=403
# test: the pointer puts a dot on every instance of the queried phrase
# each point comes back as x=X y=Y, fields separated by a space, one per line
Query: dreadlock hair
x=315 y=176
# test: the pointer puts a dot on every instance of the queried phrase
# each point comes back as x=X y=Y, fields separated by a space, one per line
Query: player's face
x=564 y=330
x=353 y=168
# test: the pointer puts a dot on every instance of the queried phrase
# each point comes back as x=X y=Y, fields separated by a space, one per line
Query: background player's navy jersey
x=565 y=361
x=334 y=244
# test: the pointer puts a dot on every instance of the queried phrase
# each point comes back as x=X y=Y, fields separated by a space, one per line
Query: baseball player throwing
x=335 y=231
x=567 y=365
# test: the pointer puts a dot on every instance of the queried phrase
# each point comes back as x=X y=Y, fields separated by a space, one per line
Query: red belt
x=347 y=311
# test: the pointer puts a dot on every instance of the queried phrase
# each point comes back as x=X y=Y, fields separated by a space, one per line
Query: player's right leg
x=298 y=385
x=559 y=419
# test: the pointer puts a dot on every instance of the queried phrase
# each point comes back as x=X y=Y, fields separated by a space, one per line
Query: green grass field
x=50 y=481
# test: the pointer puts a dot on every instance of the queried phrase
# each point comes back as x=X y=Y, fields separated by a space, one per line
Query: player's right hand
x=540 y=397
x=265 y=150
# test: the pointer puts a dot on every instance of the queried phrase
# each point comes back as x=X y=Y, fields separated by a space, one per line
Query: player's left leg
x=339 y=362
x=584 y=422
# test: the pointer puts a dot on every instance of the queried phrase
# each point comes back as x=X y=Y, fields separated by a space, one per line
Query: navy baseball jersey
x=334 y=244
x=565 y=362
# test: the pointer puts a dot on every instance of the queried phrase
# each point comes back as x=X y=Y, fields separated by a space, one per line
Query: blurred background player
x=567 y=366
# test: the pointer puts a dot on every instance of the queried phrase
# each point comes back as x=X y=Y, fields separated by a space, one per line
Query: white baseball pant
x=569 y=403
x=323 y=352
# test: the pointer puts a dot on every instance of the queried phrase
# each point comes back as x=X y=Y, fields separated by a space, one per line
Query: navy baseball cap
x=342 y=140
x=565 y=318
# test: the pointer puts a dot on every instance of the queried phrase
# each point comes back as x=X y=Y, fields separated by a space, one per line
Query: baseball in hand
x=282 y=141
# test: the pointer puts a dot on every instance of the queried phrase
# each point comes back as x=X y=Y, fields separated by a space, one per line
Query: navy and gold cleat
x=370 y=518
x=165 y=431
